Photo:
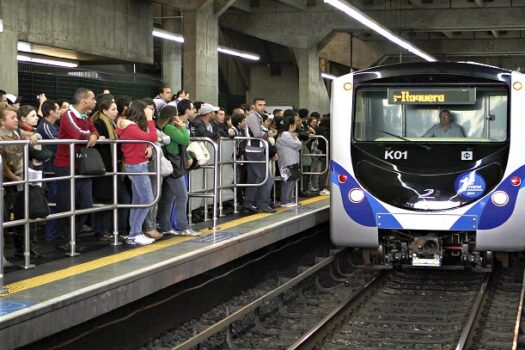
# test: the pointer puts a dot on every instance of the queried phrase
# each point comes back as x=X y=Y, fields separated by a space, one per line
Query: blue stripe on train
x=363 y=213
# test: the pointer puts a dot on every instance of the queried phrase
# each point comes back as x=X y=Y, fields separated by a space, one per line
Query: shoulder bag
x=90 y=162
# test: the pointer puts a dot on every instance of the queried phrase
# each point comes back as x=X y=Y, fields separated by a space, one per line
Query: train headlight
x=515 y=181
x=500 y=198
x=342 y=178
x=356 y=195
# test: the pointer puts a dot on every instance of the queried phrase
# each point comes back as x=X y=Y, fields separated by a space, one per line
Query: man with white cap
x=14 y=101
x=202 y=125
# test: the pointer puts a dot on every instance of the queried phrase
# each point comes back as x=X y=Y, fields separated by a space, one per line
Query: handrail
x=72 y=177
x=311 y=155
x=215 y=189
x=243 y=161
x=3 y=290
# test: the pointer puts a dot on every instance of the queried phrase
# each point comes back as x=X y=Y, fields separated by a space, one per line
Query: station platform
x=67 y=292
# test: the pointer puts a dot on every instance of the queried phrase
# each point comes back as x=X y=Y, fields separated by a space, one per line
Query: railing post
x=27 y=229
x=216 y=149
x=219 y=170
x=72 y=225
x=114 y=160
x=235 y=201
x=3 y=290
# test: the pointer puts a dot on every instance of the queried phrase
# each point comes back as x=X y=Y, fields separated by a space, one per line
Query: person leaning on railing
x=102 y=222
x=174 y=190
x=13 y=163
x=74 y=124
x=139 y=125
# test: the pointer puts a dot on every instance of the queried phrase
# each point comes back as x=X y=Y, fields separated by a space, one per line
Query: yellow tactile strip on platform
x=254 y=217
x=108 y=260
x=88 y=266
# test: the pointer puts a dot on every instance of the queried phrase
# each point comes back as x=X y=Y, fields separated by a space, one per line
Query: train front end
x=423 y=168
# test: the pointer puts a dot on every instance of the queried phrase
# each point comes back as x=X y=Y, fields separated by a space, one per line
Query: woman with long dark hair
x=174 y=190
x=139 y=125
x=102 y=222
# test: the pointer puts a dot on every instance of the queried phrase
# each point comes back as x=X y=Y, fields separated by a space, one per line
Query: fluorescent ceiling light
x=328 y=76
x=47 y=61
x=370 y=23
x=1 y=25
x=23 y=46
x=164 y=34
x=242 y=54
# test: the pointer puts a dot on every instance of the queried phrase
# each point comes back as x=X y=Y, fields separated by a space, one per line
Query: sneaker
x=324 y=192
x=154 y=234
x=191 y=233
x=172 y=232
x=140 y=239
x=268 y=210
x=313 y=189
x=6 y=262
x=289 y=205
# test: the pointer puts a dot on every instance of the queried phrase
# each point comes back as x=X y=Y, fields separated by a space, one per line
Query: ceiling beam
x=298 y=5
x=220 y=6
x=461 y=47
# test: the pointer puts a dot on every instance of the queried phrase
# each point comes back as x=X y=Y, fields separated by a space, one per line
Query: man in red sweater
x=74 y=124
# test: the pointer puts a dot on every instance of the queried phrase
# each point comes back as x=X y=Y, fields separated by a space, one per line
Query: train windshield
x=431 y=114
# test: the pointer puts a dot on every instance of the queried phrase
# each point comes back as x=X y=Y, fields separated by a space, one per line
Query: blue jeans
x=141 y=194
x=174 y=192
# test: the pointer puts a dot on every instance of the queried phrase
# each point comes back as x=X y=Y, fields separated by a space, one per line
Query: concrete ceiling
x=487 y=31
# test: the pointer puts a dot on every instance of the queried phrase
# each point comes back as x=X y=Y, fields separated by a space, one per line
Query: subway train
x=428 y=163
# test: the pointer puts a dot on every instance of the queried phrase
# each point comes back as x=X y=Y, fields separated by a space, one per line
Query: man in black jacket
x=202 y=125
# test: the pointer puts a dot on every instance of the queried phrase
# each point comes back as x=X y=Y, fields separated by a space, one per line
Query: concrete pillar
x=312 y=91
x=172 y=53
x=8 y=65
x=200 y=61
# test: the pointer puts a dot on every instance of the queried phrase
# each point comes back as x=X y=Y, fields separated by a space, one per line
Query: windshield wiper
x=428 y=148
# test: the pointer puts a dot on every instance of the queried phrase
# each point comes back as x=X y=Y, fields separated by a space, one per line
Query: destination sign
x=423 y=96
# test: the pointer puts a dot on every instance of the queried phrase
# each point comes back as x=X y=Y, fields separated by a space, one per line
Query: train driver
x=445 y=128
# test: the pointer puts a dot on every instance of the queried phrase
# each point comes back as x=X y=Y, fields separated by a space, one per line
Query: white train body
x=425 y=199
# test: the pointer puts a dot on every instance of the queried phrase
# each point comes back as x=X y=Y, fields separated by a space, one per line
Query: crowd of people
x=168 y=120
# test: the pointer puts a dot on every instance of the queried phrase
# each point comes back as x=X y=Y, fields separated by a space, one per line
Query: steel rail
x=226 y=322
x=476 y=307
x=309 y=336
x=515 y=337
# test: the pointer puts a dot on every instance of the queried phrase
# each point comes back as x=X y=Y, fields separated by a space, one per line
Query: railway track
x=428 y=310
x=323 y=307
x=279 y=315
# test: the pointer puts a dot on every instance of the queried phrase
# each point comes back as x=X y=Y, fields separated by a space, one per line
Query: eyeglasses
x=444 y=116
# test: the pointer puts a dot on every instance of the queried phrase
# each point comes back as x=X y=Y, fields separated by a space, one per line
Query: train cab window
x=474 y=114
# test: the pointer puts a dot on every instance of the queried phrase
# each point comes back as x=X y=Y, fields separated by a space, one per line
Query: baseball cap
x=207 y=108
x=12 y=99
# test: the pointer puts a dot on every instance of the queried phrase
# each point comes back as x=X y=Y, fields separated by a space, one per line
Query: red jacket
x=134 y=153
x=72 y=127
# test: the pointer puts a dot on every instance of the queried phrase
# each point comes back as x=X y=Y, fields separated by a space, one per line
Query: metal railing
x=218 y=186
x=325 y=155
x=72 y=177
x=204 y=192
x=214 y=193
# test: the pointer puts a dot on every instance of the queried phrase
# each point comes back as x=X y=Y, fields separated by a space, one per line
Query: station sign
x=426 y=96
